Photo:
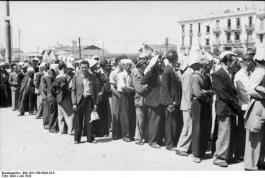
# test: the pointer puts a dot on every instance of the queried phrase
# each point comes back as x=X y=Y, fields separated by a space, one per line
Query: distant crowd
x=181 y=102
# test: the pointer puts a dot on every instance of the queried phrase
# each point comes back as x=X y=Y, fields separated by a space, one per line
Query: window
x=217 y=35
x=190 y=28
x=190 y=40
x=207 y=42
x=207 y=29
x=183 y=41
x=183 y=28
x=250 y=21
x=228 y=37
x=199 y=27
x=237 y=22
x=217 y=24
x=261 y=38
x=229 y=23
x=261 y=24
x=237 y=36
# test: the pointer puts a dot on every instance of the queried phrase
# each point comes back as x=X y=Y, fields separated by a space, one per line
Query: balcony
x=228 y=29
x=199 y=34
x=190 y=33
x=207 y=33
x=249 y=27
x=182 y=48
x=217 y=30
x=260 y=31
x=183 y=33
x=216 y=43
x=237 y=41
x=228 y=43
x=237 y=28
x=250 y=41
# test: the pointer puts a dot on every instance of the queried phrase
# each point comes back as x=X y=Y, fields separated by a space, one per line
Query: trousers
x=185 y=136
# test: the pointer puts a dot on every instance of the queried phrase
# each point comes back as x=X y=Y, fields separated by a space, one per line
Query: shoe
x=155 y=146
x=139 y=142
x=63 y=133
x=172 y=149
x=20 y=115
x=76 y=142
x=181 y=153
x=161 y=143
x=13 y=109
x=221 y=164
x=126 y=139
x=240 y=158
x=233 y=161
x=53 y=131
x=196 y=159
x=30 y=113
x=94 y=141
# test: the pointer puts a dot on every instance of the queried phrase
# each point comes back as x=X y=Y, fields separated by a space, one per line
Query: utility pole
x=7 y=35
x=165 y=46
x=80 y=56
x=125 y=48
x=103 y=49
x=19 y=43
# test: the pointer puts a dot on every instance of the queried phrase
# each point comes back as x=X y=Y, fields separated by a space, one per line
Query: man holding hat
x=141 y=133
x=227 y=108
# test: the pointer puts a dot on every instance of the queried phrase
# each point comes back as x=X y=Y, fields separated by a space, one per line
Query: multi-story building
x=229 y=30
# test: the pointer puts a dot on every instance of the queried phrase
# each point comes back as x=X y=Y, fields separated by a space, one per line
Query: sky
x=122 y=26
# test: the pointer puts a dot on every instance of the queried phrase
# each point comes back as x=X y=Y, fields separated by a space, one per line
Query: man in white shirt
x=126 y=91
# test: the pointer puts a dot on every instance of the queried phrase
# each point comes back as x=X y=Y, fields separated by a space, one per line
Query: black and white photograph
x=131 y=86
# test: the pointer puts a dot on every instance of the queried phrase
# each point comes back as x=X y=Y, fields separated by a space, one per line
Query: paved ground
x=25 y=146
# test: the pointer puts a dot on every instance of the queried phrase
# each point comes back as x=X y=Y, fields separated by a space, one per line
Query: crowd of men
x=163 y=100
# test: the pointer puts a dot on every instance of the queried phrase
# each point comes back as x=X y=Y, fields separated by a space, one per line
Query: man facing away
x=84 y=100
x=65 y=112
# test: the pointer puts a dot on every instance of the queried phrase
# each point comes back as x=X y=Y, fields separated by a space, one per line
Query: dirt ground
x=25 y=146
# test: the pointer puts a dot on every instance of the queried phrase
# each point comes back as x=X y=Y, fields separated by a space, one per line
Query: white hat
x=70 y=65
x=183 y=61
x=25 y=65
x=151 y=64
x=143 y=55
x=30 y=69
x=194 y=57
x=35 y=59
x=92 y=62
x=54 y=67
x=126 y=61
x=43 y=64
x=95 y=56
x=223 y=54
x=260 y=53
x=20 y=63
x=1 y=64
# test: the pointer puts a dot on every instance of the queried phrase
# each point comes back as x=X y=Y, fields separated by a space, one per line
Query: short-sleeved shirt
x=123 y=79
x=113 y=76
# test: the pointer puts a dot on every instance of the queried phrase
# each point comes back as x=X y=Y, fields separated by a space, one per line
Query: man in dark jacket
x=227 y=107
x=171 y=101
x=140 y=108
x=152 y=78
x=37 y=79
x=51 y=98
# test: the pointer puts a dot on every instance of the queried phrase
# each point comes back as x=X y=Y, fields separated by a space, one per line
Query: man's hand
x=95 y=107
x=74 y=108
x=170 y=108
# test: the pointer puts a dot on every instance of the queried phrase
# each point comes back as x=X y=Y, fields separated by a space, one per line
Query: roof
x=159 y=46
x=32 y=54
x=92 y=47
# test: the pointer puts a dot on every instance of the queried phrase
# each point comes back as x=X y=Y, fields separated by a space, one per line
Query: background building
x=229 y=30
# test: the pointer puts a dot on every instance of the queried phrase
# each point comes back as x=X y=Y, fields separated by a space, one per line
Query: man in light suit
x=84 y=100
x=227 y=107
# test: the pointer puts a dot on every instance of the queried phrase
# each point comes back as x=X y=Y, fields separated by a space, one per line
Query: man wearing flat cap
x=141 y=130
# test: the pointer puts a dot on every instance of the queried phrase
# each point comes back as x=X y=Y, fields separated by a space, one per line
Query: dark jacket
x=226 y=95
x=170 y=87
x=140 y=90
x=48 y=87
x=37 y=79
x=42 y=84
x=78 y=88
x=154 y=92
